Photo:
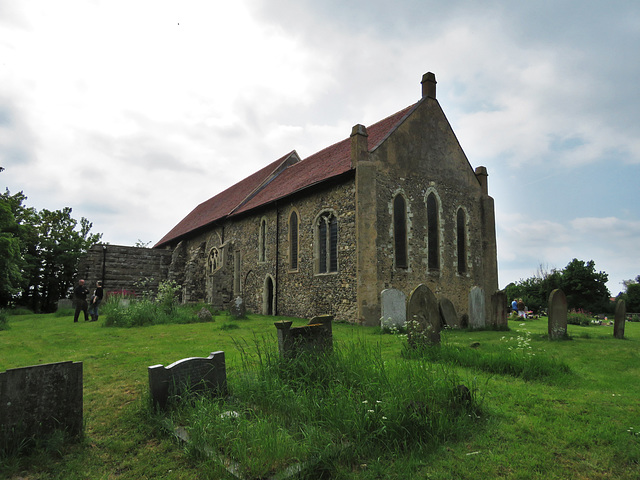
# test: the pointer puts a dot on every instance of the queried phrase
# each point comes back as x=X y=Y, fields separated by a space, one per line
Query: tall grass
x=516 y=359
x=333 y=410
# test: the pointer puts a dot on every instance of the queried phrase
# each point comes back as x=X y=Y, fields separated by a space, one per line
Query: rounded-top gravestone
x=423 y=317
x=448 y=313
x=557 y=326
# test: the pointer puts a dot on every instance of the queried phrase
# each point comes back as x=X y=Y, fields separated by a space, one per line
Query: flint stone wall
x=39 y=399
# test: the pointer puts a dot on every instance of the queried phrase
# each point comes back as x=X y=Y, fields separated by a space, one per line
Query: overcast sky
x=133 y=112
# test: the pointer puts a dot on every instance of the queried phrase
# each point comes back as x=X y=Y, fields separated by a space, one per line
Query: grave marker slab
x=189 y=375
x=39 y=399
x=557 y=326
x=315 y=337
x=394 y=308
x=477 y=308
x=423 y=317
x=619 y=320
x=448 y=313
x=499 y=308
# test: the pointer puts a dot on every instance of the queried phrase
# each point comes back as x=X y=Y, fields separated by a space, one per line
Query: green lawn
x=579 y=426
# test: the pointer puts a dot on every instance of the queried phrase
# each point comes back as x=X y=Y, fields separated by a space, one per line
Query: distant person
x=514 y=306
x=80 y=297
x=521 y=309
x=95 y=302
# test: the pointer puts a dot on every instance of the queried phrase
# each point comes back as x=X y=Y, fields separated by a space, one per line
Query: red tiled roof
x=274 y=182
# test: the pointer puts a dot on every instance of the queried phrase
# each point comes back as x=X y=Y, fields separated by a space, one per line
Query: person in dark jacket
x=95 y=302
x=80 y=299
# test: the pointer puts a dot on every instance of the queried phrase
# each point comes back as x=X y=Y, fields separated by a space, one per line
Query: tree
x=585 y=288
x=632 y=295
x=10 y=258
x=50 y=243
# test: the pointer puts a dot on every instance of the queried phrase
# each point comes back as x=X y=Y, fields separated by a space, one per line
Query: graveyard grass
x=547 y=423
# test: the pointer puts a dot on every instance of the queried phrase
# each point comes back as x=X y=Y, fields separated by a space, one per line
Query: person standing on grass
x=95 y=302
x=514 y=306
x=80 y=297
x=521 y=307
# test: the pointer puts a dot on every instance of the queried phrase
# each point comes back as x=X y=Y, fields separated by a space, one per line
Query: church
x=393 y=205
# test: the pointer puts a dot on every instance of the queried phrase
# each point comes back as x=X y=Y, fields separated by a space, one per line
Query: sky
x=132 y=112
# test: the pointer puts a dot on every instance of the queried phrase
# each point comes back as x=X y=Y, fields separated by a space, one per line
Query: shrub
x=579 y=318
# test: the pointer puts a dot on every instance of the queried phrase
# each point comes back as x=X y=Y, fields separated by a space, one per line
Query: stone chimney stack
x=359 y=144
x=482 y=176
x=429 y=85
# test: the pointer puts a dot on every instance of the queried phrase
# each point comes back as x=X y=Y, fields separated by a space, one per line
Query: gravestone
x=620 y=318
x=477 y=308
x=423 y=317
x=557 y=327
x=204 y=315
x=64 y=303
x=394 y=308
x=238 y=308
x=498 y=312
x=39 y=399
x=448 y=314
x=316 y=337
x=189 y=375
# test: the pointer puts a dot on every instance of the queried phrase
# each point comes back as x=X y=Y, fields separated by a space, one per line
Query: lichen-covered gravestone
x=499 y=307
x=423 y=317
x=448 y=313
x=394 y=308
x=618 y=324
x=557 y=326
x=238 y=308
x=477 y=309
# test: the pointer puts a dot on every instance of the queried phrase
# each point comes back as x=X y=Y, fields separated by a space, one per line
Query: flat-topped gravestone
x=189 y=375
x=448 y=314
x=477 y=308
x=498 y=312
x=39 y=399
x=315 y=337
x=394 y=308
x=423 y=317
x=557 y=326
x=620 y=318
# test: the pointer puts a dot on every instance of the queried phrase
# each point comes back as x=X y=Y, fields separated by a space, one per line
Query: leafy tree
x=632 y=295
x=10 y=258
x=50 y=244
x=584 y=287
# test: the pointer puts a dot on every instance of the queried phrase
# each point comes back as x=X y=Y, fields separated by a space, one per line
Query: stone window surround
x=262 y=241
x=440 y=239
x=467 y=272
x=294 y=268
x=327 y=214
x=407 y=255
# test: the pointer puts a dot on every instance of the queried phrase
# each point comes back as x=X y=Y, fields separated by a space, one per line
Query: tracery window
x=400 y=231
x=214 y=260
x=327 y=243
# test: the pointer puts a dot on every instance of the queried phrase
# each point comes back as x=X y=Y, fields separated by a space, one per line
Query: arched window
x=461 y=238
x=293 y=241
x=262 y=246
x=327 y=243
x=400 y=231
x=433 y=233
